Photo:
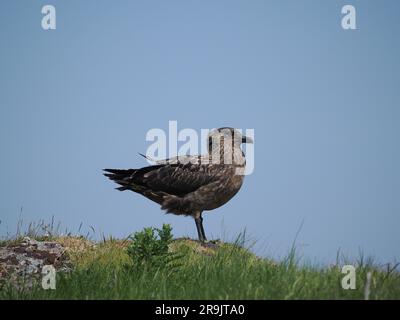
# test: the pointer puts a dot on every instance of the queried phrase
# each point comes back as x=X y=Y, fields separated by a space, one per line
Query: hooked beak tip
x=247 y=140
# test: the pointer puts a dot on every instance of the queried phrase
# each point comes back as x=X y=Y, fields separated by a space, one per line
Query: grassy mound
x=151 y=265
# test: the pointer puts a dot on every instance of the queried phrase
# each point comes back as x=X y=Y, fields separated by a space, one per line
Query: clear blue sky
x=324 y=104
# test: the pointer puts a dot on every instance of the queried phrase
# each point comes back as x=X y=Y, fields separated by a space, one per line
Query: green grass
x=108 y=270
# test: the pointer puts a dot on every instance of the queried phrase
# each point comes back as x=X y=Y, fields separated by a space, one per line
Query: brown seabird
x=189 y=185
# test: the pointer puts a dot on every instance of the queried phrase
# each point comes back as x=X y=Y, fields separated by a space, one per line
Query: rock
x=21 y=263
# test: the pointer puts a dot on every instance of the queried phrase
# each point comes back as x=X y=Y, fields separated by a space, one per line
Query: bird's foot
x=213 y=244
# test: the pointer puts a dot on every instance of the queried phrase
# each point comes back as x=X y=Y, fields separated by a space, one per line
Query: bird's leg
x=199 y=225
x=202 y=229
x=202 y=235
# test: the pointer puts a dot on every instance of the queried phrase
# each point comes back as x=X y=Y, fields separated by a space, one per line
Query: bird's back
x=181 y=188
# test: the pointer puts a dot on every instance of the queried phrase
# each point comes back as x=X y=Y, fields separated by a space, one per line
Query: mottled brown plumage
x=189 y=185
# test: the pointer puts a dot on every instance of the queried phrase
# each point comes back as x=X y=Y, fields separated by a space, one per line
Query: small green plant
x=150 y=249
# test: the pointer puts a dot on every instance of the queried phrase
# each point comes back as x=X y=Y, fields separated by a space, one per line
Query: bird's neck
x=230 y=155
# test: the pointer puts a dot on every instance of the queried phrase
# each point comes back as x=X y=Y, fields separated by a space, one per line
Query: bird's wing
x=180 y=159
x=175 y=179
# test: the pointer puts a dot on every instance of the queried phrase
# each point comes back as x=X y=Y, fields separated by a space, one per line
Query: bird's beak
x=247 y=140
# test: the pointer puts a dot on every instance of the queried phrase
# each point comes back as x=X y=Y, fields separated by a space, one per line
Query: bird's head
x=226 y=136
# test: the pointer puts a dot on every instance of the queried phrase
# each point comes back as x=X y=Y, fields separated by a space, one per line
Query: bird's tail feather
x=121 y=176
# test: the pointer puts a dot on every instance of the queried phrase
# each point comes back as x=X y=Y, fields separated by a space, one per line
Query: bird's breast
x=225 y=191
